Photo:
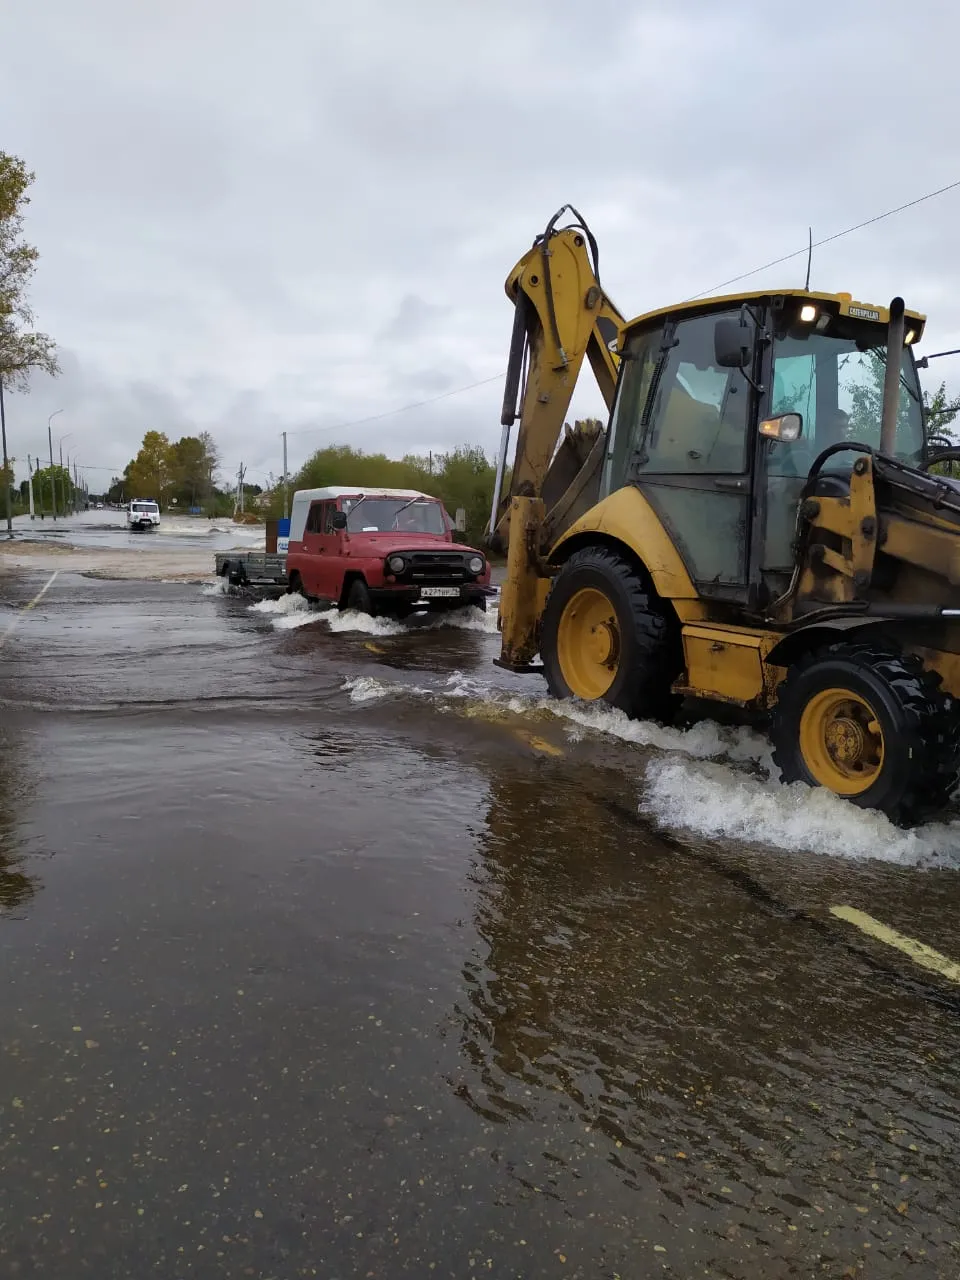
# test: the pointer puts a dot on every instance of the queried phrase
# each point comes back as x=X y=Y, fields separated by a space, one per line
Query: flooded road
x=331 y=950
x=107 y=530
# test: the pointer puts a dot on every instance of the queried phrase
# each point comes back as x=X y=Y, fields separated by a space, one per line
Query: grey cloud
x=415 y=317
x=253 y=221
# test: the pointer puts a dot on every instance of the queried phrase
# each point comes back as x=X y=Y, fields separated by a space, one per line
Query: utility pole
x=53 y=482
x=6 y=464
x=284 y=475
x=238 y=500
x=65 y=482
x=33 y=515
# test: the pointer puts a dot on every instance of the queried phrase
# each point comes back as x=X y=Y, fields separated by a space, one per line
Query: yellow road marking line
x=918 y=951
x=537 y=743
x=18 y=617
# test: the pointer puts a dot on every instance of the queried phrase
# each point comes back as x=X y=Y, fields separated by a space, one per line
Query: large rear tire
x=871 y=725
x=605 y=636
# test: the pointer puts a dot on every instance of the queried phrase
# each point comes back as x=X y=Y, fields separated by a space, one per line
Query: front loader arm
x=562 y=316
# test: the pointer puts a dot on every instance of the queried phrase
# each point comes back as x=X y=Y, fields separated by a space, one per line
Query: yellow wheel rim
x=588 y=643
x=841 y=741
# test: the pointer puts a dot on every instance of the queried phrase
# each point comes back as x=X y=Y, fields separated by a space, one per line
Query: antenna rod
x=809 y=256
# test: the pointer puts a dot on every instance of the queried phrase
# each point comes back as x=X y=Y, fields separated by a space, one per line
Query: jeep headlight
x=396 y=564
x=475 y=564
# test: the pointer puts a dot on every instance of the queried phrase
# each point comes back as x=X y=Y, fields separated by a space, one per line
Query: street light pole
x=53 y=483
x=6 y=477
x=66 y=483
x=284 y=434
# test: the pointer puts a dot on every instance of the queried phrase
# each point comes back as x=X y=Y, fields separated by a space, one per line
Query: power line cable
x=376 y=417
x=868 y=222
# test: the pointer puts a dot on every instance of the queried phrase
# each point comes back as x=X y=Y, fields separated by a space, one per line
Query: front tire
x=871 y=725
x=605 y=636
x=358 y=597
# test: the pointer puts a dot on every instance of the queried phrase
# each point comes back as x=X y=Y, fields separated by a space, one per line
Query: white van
x=142 y=514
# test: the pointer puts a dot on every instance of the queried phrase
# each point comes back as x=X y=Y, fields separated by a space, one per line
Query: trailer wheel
x=606 y=637
x=871 y=725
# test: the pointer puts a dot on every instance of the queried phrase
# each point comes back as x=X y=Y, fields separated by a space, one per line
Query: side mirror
x=339 y=520
x=732 y=344
x=787 y=428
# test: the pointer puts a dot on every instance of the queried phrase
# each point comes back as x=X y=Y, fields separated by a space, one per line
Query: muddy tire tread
x=656 y=636
x=930 y=713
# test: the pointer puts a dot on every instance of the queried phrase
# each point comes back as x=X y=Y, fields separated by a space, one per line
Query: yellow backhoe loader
x=755 y=526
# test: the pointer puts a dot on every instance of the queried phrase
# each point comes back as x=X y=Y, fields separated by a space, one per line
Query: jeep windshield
x=393 y=515
x=145 y=506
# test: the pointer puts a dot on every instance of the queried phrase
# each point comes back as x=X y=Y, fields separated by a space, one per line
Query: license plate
x=434 y=593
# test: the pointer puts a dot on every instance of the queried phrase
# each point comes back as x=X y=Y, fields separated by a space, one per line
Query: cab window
x=697 y=421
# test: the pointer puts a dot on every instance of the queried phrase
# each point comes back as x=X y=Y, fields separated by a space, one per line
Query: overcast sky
x=254 y=217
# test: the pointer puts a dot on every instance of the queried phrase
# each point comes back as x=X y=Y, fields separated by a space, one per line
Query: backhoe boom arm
x=562 y=316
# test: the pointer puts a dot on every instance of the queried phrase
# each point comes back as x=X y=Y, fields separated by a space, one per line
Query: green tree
x=149 y=474
x=192 y=464
x=49 y=484
x=21 y=348
x=940 y=413
x=465 y=479
x=867 y=407
x=8 y=500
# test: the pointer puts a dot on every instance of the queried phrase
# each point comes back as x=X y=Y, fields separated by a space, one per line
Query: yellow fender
x=628 y=517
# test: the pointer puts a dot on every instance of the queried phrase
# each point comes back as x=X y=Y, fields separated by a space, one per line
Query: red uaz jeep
x=382 y=551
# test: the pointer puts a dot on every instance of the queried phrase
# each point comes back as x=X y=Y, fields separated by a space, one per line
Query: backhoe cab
x=756 y=525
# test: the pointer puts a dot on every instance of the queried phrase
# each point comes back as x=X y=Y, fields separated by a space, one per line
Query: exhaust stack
x=891 y=378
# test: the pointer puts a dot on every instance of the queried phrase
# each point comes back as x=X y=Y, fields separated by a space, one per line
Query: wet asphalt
x=324 y=953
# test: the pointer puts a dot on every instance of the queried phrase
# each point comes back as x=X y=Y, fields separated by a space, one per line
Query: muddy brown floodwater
x=329 y=949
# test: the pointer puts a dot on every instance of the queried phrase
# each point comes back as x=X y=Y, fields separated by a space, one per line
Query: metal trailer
x=260 y=572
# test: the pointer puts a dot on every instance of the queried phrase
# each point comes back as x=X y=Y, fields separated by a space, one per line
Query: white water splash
x=715 y=801
x=366 y=689
x=704 y=780
x=289 y=611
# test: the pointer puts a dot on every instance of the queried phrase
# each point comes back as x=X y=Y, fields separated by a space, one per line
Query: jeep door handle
x=730 y=482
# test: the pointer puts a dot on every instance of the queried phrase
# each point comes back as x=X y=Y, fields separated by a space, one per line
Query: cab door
x=691 y=454
x=318 y=571
x=329 y=555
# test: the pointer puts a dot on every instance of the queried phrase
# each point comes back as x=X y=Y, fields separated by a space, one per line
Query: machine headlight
x=396 y=564
x=475 y=564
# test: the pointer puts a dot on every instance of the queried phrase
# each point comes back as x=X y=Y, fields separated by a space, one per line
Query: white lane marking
x=18 y=617
x=917 y=951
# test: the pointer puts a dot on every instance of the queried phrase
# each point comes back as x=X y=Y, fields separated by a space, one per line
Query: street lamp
x=67 y=481
x=53 y=483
